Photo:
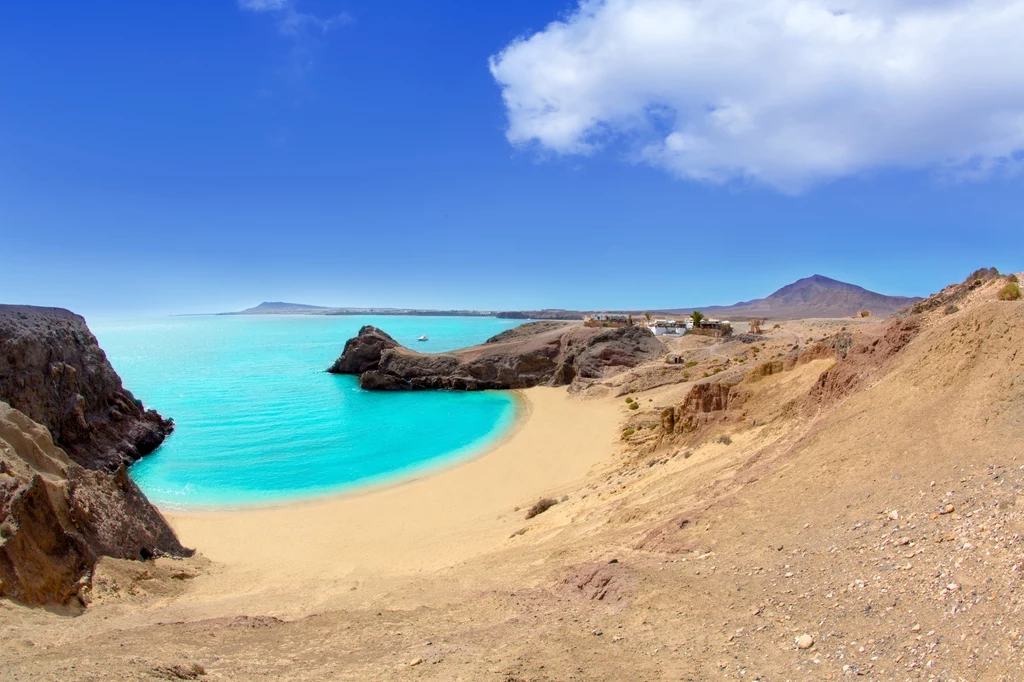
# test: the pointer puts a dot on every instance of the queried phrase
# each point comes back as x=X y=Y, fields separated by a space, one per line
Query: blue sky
x=204 y=156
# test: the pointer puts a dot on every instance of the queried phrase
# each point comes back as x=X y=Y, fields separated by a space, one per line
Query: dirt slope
x=880 y=525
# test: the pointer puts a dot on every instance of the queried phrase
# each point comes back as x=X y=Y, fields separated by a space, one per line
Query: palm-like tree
x=696 y=316
x=648 y=316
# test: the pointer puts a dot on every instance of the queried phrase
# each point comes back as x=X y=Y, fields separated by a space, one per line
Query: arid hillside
x=840 y=508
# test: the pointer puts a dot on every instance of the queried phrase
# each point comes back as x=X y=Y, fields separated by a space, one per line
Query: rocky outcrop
x=863 y=359
x=53 y=370
x=538 y=353
x=362 y=352
x=704 y=404
x=57 y=518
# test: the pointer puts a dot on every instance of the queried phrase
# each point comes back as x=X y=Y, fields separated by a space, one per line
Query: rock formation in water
x=53 y=370
x=538 y=353
x=62 y=509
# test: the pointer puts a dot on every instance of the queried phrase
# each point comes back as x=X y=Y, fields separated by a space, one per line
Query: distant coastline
x=811 y=297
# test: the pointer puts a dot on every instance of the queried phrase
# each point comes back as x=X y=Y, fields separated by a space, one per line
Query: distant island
x=810 y=297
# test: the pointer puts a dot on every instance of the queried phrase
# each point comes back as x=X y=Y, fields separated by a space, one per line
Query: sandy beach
x=298 y=558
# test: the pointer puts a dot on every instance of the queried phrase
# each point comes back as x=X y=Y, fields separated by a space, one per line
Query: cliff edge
x=53 y=369
x=68 y=428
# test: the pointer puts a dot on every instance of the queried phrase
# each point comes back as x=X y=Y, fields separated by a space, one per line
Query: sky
x=203 y=156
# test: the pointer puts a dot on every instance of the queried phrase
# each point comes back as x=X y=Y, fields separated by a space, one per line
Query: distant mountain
x=814 y=296
x=278 y=308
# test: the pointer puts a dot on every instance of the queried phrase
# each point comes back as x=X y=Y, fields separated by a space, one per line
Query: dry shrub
x=540 y=507
x=951 y=308
x=1011 y=292
x=178 y=672
x=724 y=440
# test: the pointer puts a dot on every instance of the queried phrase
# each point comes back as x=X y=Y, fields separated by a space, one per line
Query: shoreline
x=292 y=559
x=522 y=409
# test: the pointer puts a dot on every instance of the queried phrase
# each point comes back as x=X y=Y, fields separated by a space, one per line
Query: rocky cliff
x=538 y=353
x=57 y=518
x=53 y=370
x=68 y=428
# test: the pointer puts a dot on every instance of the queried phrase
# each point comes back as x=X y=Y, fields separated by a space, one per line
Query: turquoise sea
x=258 y=420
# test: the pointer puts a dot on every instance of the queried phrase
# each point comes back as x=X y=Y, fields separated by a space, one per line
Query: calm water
x=258 y=420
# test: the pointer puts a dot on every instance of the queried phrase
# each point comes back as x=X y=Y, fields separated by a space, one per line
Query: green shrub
x=634 y=406
x=628 y=400
x=628 y=432
x=1013 y=278
x=1011 y=292
x=686 y=375
x=691 y=363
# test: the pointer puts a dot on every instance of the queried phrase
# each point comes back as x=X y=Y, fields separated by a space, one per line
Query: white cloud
x=263 y=5
x=784 y=92
x=290 y=21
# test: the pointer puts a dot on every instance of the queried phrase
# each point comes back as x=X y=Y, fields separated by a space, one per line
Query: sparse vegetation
x=628 y=432
x=691 y=363
x=686 y=376
x=951 y=308
x=724 y=440
x=629 y=399
x=540 y=507
x=178 y=672
x=1011 y=292
x=1013 y=278
x=634 y=405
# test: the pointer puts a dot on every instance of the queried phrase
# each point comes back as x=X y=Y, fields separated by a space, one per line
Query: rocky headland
x=53 y=369
x=534 y=354
x=67 y=430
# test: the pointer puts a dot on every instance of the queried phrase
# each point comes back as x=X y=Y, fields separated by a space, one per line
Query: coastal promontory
x=68 y=428
x=537 y=353
x=53 y=370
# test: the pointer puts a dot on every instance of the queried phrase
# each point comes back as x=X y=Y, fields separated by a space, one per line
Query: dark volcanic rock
x=362 y=353
x=57 y=518
x=53 y=370
x=550 y=353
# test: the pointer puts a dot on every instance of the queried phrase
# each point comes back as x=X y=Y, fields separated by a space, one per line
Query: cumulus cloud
x=784 y=92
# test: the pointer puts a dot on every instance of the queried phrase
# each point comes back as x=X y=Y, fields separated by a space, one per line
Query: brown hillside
x=862 y=519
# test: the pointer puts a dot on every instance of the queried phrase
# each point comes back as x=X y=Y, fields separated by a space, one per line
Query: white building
x=667 y=327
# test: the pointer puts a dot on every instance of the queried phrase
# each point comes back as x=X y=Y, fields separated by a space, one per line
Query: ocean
x=259 y=421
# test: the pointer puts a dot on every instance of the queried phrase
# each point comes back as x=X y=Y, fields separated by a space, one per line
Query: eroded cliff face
x=534 y=354
x=57 y=518
x=53 y=370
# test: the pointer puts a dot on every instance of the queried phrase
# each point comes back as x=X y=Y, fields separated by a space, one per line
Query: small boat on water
x=423 y=337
